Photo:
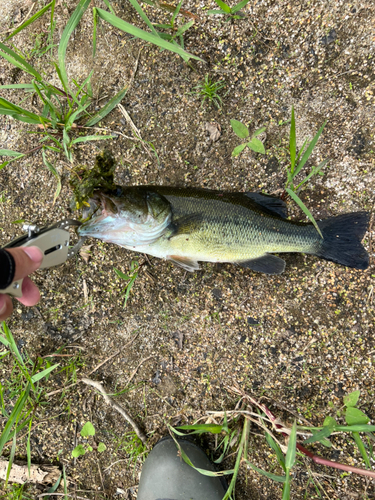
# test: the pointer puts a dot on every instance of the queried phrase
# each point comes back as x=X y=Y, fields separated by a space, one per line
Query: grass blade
x=18 y=61
x=28 y=448
x=69 y=28
x=144 y=35
x=109 y=7
x=18 y=407
x=274 y=477
x=8 y=108
x=24 y=86
x=276 y=448
x=43 y=373
x=138 y=8
x=362 y=449
x=292 y=143
x=303 y=207
x=91 y=138
x=53 y=170
x=318 y=436
x=308 y=151
x=11 y=458
x=223 y=6
x=95 y=15
x=239 y=6
x=32 y=19
x=107 y=108
x=9 y=152
x=291 y=451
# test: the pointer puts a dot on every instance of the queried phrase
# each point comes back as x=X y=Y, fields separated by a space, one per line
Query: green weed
x=297 y=162
x=229 y=12
x=131 y=277
x=133 y=448
x=87 y=430
x=243 y=133
x=209 y=90
x=20 y=398
x=234 y=434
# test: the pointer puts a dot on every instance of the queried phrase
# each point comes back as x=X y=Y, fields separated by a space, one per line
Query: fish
x=191 y=225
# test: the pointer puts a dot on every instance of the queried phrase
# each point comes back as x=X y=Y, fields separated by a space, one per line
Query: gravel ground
x=302 y=340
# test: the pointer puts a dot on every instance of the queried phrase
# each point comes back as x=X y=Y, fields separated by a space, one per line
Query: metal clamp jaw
x=53 y=241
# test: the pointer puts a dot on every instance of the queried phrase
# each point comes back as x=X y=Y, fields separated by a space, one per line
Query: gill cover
x=129 y=217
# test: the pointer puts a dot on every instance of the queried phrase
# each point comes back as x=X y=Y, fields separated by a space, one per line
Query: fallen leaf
x=85 y=252
x=214 y=129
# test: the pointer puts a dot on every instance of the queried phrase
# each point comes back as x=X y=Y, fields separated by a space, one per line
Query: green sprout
x=87 y=430
x=242 y=132
x=297 y=162
x=208 y=90
x=229 y=12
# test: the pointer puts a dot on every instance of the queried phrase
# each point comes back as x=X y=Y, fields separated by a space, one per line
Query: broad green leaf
x=352 y=398
x=303 y=207
x=329 y=421
x=256 y=145
x=91 y=138
x=291 y=451
x=309 y=150
x=223 y=6
x=44 y=373
x=78 y=451
x=238 y=149
x=107 y=108
x=18 y=61
x=101 y=447
x=32 y=19
x=274 y=477
x=88 y=430
x=239 y=6
x=144 y=35
x=69 y=28
x=292 y=142
x=239 y=129
x=353 y=416
x=276 y=448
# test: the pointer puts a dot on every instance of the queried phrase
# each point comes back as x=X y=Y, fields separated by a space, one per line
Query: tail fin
x=342 y=237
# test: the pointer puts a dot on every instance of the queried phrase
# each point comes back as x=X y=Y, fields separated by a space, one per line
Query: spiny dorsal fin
x=269 y=204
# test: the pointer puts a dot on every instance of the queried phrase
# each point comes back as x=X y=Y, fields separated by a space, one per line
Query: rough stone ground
x=303 y=339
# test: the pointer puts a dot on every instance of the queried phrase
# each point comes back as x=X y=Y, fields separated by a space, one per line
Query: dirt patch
x=303 y=339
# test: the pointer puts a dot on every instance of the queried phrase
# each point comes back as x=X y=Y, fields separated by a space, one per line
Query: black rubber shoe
x=165 y=475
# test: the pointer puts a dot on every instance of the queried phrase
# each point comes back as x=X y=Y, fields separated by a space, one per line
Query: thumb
x=27 y=260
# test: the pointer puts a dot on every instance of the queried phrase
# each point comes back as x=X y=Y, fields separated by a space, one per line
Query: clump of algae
x=84 y=180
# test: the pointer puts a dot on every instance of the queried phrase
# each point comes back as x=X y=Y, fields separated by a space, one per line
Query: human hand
x=27 y=260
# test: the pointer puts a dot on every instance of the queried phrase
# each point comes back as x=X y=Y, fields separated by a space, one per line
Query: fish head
x=129 y=217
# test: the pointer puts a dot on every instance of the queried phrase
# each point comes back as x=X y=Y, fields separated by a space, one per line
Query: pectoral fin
x=268 y=264
x=184 y=262
x=186 y=224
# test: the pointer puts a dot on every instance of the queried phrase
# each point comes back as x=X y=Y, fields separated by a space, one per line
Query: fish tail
x=342 y=237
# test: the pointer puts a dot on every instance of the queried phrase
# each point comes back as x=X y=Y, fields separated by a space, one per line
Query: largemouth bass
x=187 y=225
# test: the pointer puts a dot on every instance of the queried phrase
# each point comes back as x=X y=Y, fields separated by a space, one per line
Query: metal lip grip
x=54 y=244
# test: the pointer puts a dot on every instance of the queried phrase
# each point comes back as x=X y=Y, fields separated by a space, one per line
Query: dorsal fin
x=269 y=204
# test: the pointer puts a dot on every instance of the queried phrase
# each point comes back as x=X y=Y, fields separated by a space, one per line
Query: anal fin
x=268 y=264
x=184 y=262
